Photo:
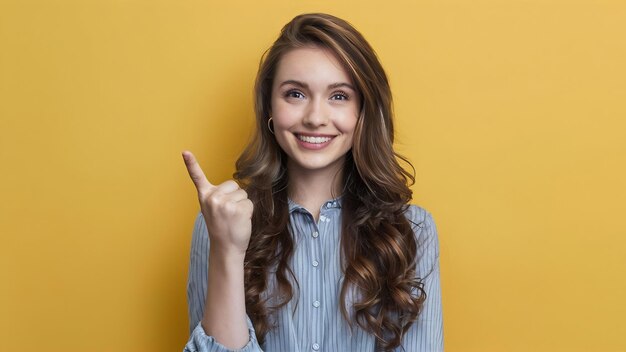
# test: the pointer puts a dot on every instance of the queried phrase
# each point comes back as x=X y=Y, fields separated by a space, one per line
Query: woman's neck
x=311 y=189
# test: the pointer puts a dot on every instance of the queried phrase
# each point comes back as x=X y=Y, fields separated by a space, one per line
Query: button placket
x=316 y=293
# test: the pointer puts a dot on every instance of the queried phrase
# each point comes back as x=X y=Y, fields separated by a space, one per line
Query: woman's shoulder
x=418 y=216
x=427 y=239
x=422 y=222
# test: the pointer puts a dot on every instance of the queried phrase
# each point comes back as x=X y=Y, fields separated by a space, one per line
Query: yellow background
x=513 y=112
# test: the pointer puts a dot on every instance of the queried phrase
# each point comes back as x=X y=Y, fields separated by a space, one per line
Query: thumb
x=196 y=173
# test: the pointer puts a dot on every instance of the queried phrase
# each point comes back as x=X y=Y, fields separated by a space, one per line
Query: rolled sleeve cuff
x=199 y=341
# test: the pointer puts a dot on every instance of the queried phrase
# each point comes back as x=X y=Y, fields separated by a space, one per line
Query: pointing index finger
x=195 y=172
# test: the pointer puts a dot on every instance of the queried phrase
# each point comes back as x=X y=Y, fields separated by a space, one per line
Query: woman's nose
x=317 y=114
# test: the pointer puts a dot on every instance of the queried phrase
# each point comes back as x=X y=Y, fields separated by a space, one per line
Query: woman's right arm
x=226 y=215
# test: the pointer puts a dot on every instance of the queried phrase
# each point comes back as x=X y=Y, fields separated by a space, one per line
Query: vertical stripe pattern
x=312 y=321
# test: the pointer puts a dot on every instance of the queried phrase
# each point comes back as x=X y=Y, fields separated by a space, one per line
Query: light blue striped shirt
x=317 y=323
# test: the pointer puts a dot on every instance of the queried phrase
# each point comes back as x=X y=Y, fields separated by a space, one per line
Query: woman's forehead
x=315 y=66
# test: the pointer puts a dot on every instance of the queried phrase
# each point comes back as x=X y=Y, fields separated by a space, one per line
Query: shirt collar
x=330 y=204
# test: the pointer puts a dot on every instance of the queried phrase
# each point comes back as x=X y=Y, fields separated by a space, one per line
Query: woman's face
x=315 y=107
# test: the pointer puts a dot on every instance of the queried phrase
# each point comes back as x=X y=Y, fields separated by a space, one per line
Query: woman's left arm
x=426 y=334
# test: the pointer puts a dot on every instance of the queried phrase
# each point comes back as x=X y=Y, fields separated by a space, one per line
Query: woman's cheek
x=346 y=125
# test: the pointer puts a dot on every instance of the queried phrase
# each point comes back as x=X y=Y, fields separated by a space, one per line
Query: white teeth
x=314 y=140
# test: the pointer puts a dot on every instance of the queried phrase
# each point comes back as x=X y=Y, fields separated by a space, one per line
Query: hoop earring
x=269 y=127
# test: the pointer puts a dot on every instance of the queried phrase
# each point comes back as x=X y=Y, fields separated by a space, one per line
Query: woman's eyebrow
x=306 y=86
x=341 y=84
x=295 y=83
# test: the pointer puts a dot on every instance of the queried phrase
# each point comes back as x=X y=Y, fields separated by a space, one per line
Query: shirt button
x=316 y=346
x=316 y=304
x=315 y=263
x=315 y=234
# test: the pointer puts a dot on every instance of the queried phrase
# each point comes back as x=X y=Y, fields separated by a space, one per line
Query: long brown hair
x=378 y=245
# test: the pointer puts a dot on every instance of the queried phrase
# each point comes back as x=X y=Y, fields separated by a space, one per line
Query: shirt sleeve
x=199 y=341
x=426 y=334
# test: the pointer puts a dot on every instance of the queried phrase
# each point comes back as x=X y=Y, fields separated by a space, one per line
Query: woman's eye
x=294 y=94
x=339 y=96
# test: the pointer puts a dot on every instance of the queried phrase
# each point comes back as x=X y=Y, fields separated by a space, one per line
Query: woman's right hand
x=226 y=209
x=227 y=213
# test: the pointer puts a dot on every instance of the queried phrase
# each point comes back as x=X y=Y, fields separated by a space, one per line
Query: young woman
x=315 y=247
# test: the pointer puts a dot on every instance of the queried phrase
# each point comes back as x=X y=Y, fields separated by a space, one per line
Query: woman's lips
x=314 y=142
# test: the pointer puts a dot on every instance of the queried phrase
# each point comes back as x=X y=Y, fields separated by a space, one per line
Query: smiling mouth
x=313 y=140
